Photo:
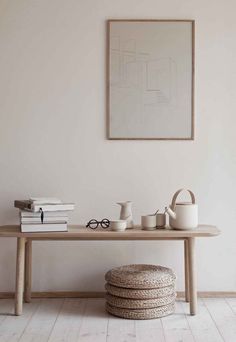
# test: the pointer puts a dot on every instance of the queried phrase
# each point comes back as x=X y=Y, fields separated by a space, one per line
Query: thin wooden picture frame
x=108 y=92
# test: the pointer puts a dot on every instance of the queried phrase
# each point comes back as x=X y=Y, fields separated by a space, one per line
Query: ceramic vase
x=126 y=213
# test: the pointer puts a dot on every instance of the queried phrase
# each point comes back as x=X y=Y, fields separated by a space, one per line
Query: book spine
x=55 y=214
x=52 y=207
x=33 y=228
x=38 y=221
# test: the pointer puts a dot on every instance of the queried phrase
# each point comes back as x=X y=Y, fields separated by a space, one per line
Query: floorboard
x=68 y=323
x=6 y=309
x=149 y=330
x=85 y=320
x=13 y=326
x=223 y=316
x=120 y=330
x=202 y=326
x=176 y=327
x=42 y=322
x=95 y=322
x=232 y=303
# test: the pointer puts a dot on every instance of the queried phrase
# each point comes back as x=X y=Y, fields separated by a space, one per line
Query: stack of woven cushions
x=140 y=291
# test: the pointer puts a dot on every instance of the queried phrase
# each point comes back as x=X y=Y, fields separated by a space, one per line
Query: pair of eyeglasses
x=93 y=224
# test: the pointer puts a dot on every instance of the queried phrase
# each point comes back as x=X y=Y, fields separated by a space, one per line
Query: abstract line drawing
x=150 y=80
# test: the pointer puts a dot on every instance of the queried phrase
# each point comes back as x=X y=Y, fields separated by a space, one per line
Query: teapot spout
x=171 y=213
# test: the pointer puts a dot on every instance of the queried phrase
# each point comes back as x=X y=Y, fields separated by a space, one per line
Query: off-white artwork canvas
x=150 y=79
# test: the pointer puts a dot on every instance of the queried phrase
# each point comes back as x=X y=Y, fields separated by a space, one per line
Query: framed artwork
x=150 y=79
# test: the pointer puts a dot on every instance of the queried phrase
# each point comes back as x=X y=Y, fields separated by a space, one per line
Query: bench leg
x=20 y=265
x=186 y=270
x=192 y=276
x=28 y=270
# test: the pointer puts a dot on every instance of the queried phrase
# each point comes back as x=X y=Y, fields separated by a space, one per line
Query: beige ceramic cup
x=148 y=222
x=161 y=220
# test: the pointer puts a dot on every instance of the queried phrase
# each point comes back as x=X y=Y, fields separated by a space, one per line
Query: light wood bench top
x=76 y=232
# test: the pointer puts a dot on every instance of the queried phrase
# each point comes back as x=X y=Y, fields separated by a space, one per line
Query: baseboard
x=81 y=294
x=57 y=294
x=211 y=294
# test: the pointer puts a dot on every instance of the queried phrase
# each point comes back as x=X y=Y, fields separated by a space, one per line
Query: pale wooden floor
x=85 y=320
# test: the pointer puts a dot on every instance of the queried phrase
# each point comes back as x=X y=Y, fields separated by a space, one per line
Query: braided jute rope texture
x=140 y=293
x=161 y=311
x=139 y=303
x=141 y=276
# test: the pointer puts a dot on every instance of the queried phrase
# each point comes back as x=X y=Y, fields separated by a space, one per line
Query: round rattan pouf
x=141 y=276
x=140 y=291
x=139 y=303
x=158 y=312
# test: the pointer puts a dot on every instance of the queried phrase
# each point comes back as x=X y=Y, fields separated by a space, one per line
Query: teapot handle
x=177 y=194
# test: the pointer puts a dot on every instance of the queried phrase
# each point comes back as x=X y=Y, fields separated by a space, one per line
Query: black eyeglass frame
x=105 y=223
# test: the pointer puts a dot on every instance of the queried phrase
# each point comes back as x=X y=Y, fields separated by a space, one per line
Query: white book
x=53 y=207
x=45 y=200
x=52 y=219
x=46 y=227
x=31 y=206
x=58 y=214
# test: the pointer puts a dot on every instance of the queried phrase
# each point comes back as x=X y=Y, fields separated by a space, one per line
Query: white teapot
x=183 y=215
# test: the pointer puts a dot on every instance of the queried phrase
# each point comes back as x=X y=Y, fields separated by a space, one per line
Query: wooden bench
x=24 y=252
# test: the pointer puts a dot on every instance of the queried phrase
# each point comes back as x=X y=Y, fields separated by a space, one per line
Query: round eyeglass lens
x=105 y=223
x=93 y=224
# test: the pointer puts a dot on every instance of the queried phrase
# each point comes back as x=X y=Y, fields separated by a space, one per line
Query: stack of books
x=43 y=214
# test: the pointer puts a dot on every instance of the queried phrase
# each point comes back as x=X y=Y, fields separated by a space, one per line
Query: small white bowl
x=118 y=225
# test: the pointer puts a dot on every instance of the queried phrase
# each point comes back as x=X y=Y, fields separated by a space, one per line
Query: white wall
x=52 y=138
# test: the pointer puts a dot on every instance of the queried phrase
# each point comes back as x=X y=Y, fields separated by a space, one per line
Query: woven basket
x=141 y=293
x=141 y=276
x=141 y=314
x=139 y=303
